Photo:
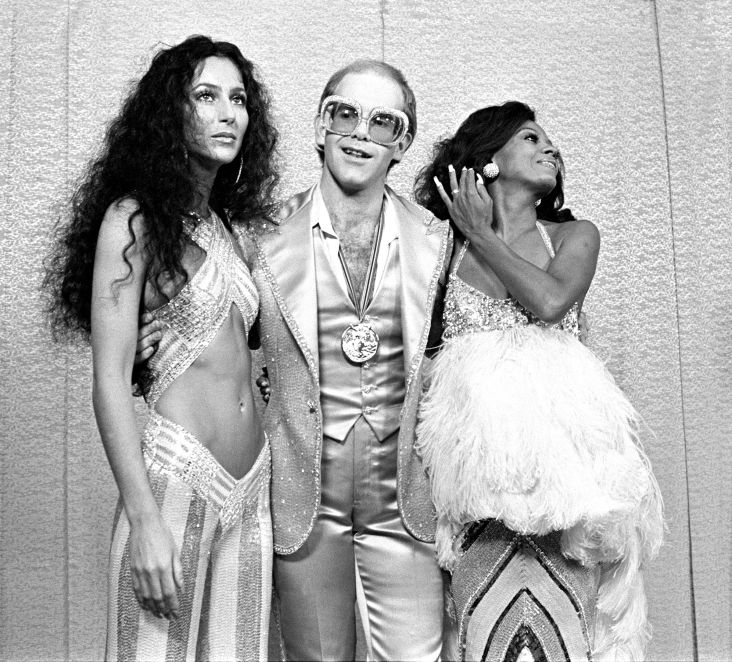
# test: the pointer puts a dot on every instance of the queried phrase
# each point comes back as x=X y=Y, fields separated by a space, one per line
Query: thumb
x=177 y=571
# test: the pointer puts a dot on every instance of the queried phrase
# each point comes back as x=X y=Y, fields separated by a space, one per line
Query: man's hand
x=148 y=337
x=263 y=384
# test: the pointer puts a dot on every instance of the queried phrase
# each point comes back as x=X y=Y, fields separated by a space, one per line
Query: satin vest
x=375 y=389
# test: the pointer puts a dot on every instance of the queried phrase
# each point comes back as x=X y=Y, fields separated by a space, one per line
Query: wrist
x=481 y=235
x=141 y=516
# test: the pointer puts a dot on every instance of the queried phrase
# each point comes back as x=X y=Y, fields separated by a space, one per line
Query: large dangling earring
x=238 y=174
x=490 y=170
x=537 y=203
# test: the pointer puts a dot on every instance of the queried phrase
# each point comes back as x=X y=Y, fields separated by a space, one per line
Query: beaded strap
x=542 y=231
x=460 y=256
x=547 y=240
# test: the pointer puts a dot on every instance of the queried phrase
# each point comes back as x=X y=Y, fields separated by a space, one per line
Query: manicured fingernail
x=451 y=168
x=479 y=179
x=437 y=182
x=464 y=168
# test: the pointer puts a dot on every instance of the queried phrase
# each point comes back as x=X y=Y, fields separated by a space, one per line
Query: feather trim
x=527 y=426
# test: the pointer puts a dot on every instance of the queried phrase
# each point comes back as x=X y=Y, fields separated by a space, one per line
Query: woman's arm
x=548 y=294
x=116 y=293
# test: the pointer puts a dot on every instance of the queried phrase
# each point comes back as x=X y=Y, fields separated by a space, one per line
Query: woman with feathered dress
x=547 y=505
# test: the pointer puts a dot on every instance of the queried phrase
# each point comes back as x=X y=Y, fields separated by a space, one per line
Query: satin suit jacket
x=283 y=267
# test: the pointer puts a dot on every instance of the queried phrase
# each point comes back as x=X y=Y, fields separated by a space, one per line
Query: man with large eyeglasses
x=347 y=286
x=342 y=115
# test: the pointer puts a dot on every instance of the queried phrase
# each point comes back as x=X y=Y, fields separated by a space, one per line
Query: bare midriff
x=213 y=399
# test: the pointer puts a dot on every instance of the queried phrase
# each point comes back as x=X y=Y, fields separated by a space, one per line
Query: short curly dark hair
x=475 y=142
x=144 y=157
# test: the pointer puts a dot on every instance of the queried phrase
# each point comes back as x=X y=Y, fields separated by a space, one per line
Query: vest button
x=312 y=406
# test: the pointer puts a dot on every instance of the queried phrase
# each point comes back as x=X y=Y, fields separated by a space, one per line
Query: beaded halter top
x=468 y=310
x=194 y=315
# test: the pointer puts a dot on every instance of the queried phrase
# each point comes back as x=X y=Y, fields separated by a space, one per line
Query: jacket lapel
x=423 y=244
x=289 y=263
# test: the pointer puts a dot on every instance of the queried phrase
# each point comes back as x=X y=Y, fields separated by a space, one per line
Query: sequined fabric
x=284 y=271
x=223 y=530
x=170 y=449
x=194 y=316
x=468 y=310
x=222 y=526
x=518 y=595
x=546 y=443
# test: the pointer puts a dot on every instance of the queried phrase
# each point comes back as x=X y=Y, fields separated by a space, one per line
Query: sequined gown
x=221 y=525
x=547 y=506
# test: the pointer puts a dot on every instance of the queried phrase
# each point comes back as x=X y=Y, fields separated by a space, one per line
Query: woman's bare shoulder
x=122 y=232
x=124 y=211
x=123 y=221
x=579 y=230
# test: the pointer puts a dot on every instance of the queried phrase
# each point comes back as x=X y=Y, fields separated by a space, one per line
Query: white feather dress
x=523 y=424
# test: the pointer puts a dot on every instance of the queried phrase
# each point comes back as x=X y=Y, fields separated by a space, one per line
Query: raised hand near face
x=471 y=206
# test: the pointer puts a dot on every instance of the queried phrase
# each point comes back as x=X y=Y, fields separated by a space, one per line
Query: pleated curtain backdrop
x=635 y=92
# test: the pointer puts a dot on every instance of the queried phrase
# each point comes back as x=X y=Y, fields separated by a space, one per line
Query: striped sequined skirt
x=223 y=531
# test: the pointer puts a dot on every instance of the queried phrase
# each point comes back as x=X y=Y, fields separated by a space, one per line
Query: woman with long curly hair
x=547 y=506
x=186 y=165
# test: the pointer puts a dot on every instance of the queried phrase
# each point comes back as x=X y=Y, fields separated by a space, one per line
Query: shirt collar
x=391 y=222
x=321 y=217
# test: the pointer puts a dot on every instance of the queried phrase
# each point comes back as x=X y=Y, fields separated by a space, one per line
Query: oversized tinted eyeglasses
x=341 y=115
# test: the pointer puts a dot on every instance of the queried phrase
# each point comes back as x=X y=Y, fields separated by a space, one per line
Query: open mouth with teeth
x=356 y=152
x=548 y=164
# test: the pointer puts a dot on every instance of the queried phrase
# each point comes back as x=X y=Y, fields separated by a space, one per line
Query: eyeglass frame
x=374 y=111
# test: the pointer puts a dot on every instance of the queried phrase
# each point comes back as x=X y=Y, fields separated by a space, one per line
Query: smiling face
x=354 y=162
x=219 y=117
x=529 y=157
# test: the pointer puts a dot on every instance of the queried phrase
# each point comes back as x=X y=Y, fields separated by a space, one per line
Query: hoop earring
x=490 y=170
x=238 y=174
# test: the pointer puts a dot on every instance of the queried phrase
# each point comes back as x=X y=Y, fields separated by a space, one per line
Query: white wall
x=635 y=92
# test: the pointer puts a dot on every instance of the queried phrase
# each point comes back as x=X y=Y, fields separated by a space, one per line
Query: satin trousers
x=360 y=553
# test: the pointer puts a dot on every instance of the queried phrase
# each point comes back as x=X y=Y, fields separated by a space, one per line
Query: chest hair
x=357 y=242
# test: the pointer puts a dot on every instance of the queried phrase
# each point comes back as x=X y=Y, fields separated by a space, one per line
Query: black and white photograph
x=381 y=330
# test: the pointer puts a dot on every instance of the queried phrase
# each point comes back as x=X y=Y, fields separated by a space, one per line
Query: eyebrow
x=528 y=128
x=237 y=88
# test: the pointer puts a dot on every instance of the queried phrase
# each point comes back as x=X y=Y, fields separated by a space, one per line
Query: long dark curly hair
x=477 y=139
x=144 y=157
